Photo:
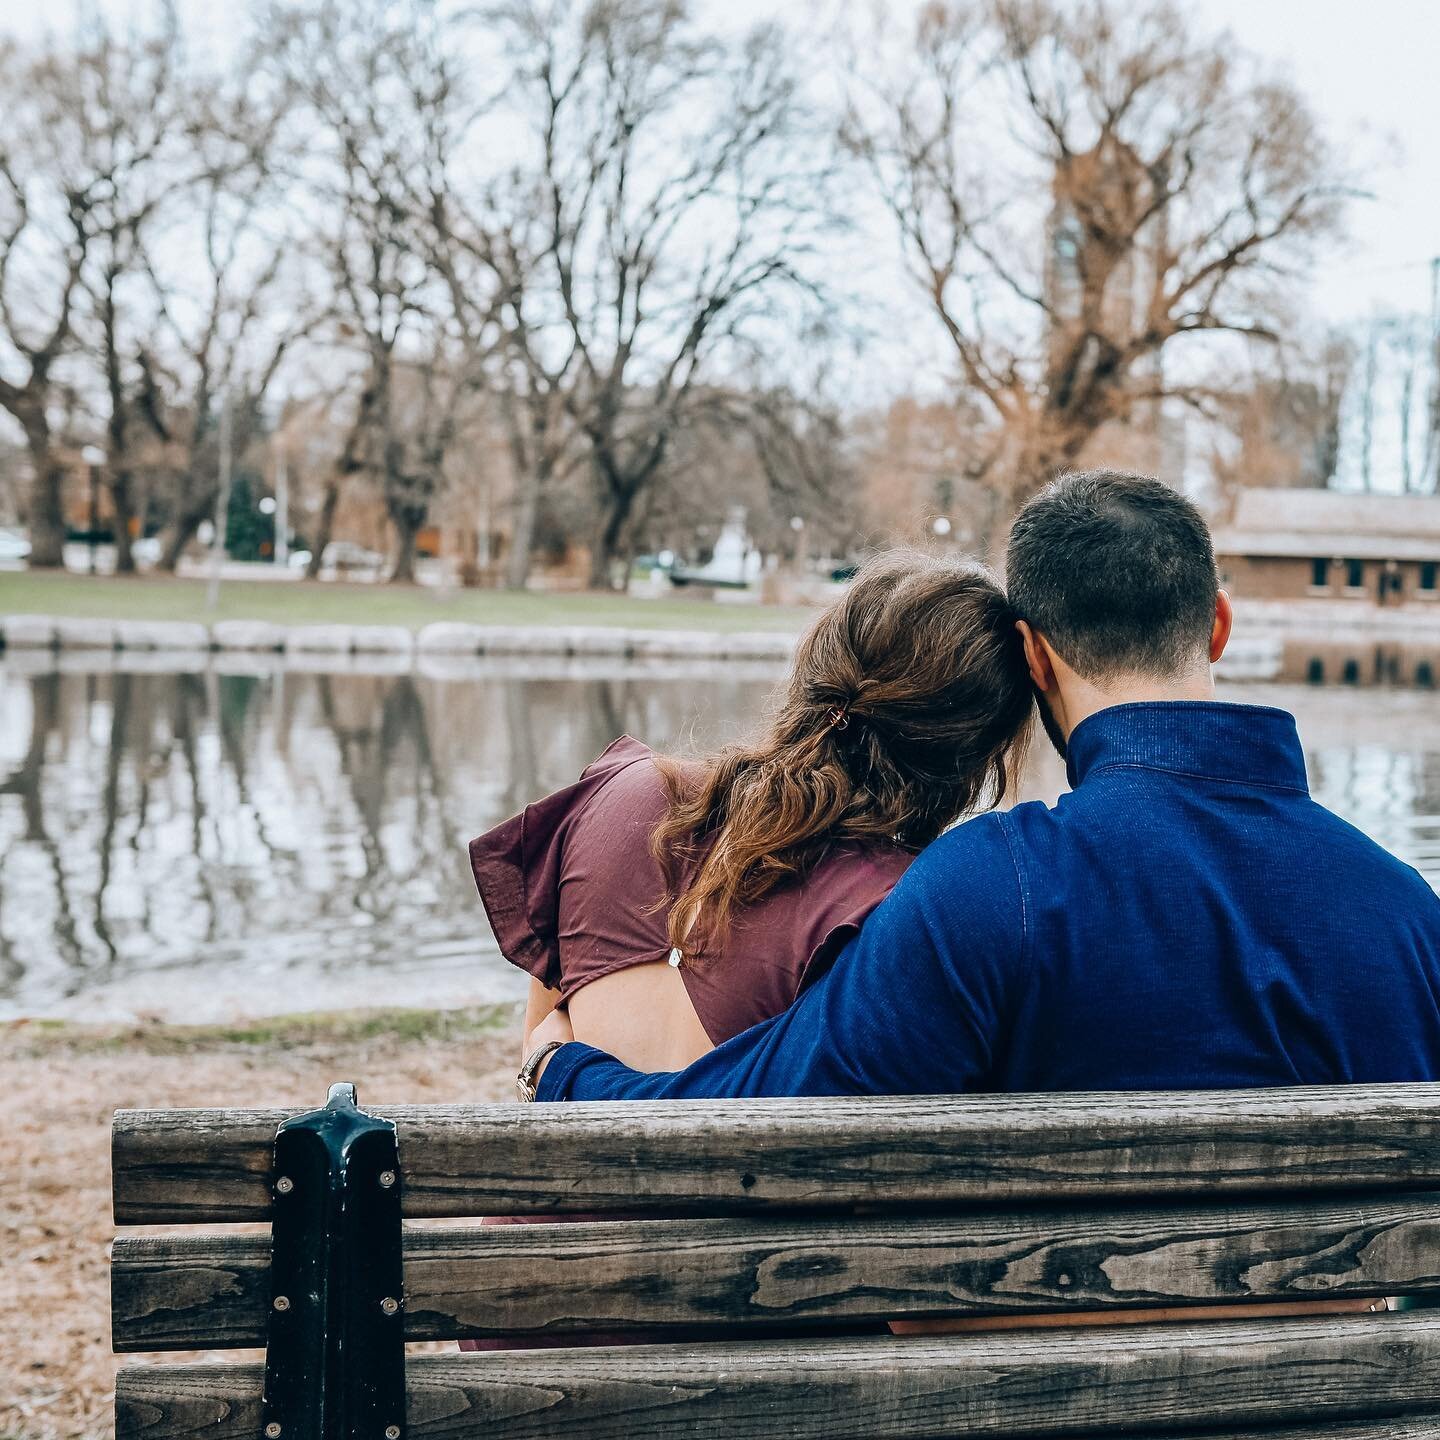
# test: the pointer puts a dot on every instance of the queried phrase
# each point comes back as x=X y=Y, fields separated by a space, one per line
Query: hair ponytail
x=902 y=709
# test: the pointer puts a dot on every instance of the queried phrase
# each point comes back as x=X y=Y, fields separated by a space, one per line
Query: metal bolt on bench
x=335 y=1349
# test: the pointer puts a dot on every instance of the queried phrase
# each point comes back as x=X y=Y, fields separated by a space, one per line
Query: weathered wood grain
x=1165 y=1377
x=210 y=1165
x=210 y=1291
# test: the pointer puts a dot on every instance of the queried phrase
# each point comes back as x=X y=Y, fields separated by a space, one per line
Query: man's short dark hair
x=1117 y=572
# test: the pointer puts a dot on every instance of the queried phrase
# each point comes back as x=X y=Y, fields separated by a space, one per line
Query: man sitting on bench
x=1187 y=917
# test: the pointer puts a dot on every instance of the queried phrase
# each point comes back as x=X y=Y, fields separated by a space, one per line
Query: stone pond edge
x=447 y=637
x=1255 y=653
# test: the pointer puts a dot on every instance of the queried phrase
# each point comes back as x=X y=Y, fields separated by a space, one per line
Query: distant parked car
x=14 y=547
x=298 y=559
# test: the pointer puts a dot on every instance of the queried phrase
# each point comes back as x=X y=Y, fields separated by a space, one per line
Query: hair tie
x=839 y=717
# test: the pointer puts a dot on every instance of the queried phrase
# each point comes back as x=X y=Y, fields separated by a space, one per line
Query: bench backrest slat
x=202 y=1166
x=210 y=1291
x=1166 y=1377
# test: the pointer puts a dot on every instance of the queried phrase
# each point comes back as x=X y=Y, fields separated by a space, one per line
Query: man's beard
x=1051 y=724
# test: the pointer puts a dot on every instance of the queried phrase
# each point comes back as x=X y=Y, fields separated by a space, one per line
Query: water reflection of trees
x=149 y=818
x=223 y=820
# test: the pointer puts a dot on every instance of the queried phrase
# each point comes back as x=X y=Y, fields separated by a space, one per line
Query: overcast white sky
x=1369 y=70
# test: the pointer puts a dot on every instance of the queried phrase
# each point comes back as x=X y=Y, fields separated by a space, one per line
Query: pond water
x=208 y=844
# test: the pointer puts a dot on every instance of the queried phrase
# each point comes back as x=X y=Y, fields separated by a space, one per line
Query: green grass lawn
x=324 y=603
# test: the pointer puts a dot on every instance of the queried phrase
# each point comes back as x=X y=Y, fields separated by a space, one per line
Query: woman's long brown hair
x=907 y=700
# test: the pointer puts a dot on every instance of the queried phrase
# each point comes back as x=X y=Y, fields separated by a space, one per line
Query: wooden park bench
x=804 y=1213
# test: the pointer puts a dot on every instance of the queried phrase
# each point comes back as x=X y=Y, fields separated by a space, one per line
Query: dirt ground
x=60 y=1085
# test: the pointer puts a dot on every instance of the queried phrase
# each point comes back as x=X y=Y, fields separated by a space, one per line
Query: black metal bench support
x=335 y=1349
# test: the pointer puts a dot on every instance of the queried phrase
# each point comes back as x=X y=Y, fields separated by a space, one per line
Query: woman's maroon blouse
x=573 y=893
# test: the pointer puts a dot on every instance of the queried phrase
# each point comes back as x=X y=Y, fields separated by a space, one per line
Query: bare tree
x=138 y=125
x=1283 y=428
x=382 y=93
x=810 y=463
x=676 y=201
x=493 y=259
x=229 y=299
x=484 y=239
x=542 y=441
x=1079 y=188
x=1412 y=347
x=134 y=391
x=349 y=461
x=85 y=127
x=927 y=462
x=1337 y=364
x=110 y=134
x=783 y=452
x=1393 y=406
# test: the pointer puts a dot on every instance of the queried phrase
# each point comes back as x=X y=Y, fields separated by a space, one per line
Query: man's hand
x=555 y=1026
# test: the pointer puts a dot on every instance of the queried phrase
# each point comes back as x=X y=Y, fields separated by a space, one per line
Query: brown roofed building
x=1326 y=544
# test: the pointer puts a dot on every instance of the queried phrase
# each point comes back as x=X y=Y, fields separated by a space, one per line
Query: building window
x=1351 y=673
x=1320 y=574
x=1315 y=671
x=1425 y=675
x=1427 y=576
x=1355 y=574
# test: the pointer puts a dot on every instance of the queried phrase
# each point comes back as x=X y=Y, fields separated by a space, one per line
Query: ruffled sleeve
x=518 y=866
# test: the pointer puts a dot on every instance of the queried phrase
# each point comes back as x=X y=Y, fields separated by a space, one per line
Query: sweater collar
x=1209 y=739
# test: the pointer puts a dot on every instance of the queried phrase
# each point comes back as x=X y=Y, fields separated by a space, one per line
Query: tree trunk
x=47 y=501
x=407 y=527
x=181 y=534
x=122 y=511
x=408 y=505
x=1040 y=460
x=606 y=545
x=522 y=536
x=324 y=528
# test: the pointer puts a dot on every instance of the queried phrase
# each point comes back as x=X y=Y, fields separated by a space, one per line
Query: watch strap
x=525 y=1080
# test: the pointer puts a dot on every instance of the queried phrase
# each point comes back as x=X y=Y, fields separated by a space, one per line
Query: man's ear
x=1037 y=658
x=1224 y=623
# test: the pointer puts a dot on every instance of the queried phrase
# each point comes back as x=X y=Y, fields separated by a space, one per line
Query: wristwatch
x=525 y=1080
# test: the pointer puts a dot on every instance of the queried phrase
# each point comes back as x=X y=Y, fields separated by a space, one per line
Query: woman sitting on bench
x=672 y=904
